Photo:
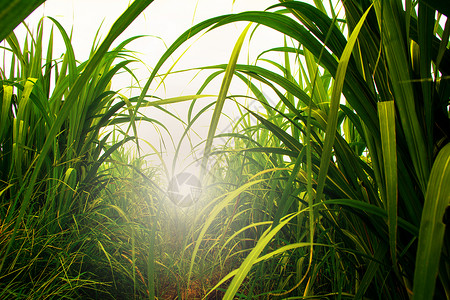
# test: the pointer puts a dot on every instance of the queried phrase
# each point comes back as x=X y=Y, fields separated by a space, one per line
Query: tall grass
x=351 y=164
x=62 y=234
x=81 y=216
x=338 y=189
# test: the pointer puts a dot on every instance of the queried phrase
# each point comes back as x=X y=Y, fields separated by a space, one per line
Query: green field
x=337 y=189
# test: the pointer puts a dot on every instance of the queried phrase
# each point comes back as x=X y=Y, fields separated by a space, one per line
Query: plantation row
x=338 y=190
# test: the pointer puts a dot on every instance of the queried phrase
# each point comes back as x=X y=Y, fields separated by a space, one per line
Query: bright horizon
x=162 y=22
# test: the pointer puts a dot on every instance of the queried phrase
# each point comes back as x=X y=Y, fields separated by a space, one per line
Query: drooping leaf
x=13 y=12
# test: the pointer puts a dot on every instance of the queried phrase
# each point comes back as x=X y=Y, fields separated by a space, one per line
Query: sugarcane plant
x=360 y=162
x=338 y=188
x=56 y=133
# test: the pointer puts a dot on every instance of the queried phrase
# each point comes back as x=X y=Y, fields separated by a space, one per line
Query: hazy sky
x=163 y=21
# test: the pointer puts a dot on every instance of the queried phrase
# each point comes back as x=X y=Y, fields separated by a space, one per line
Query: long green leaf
x=432 y=229
x=334 y=106
x=251 y=259
x=229 y=74
x=386 y=114
x=395 y=43
x=370 y=272
x=12 y=12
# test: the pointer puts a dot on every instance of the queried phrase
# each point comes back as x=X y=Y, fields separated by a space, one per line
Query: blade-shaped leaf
x=229 y=74
x=432 y=229
x=334 y=106
x=12 y=12
x=386 y=114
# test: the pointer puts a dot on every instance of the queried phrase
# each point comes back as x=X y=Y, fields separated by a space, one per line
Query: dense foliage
x=338 y=189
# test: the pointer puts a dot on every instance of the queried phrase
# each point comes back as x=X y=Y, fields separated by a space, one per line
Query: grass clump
x=63 y=235
x=357 y=146
x=337 y=189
